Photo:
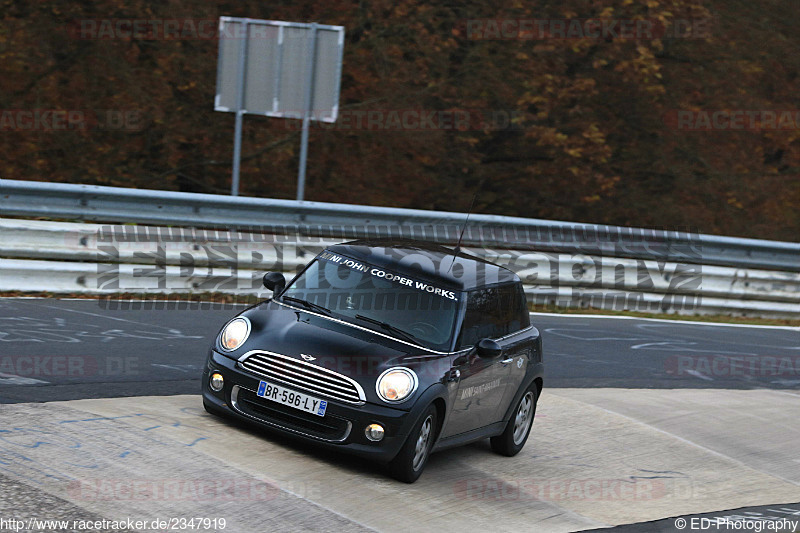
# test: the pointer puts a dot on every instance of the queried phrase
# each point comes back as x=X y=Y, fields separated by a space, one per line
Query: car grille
x=299 y=374
x=329 y=428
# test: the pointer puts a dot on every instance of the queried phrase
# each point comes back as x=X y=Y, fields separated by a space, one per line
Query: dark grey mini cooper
x=390 y=350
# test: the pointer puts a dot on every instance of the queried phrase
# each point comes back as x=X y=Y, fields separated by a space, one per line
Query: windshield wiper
x=388 y=327
x=307 y=304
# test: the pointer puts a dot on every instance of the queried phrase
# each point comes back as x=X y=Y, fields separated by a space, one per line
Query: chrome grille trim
x=262 y=368
x=302 y=375
x=343 y=383
x=299 y=384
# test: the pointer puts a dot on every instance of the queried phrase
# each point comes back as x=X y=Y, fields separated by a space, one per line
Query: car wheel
x=407 y=466
x=513 y=438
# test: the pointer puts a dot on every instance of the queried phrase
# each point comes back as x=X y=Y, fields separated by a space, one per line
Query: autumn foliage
x=574 y=127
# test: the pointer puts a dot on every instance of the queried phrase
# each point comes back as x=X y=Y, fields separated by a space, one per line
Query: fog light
x=374 y=432
x=216 y=382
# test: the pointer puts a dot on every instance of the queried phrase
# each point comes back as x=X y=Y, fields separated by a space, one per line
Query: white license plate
x=298 y=400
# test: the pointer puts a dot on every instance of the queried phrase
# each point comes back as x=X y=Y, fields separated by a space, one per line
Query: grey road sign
x=278 y=69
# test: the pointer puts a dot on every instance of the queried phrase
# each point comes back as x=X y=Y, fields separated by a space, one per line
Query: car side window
x=519 y=304
x=493 y=312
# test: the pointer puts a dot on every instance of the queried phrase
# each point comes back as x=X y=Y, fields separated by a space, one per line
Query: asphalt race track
x=75 y=349
x=642 y=424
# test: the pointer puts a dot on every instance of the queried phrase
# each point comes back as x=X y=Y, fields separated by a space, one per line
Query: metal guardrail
x=342 y=221
x=92 y=258
x=74 y=277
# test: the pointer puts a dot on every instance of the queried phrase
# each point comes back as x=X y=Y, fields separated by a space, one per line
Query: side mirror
x=488 y=348
x=275 y=282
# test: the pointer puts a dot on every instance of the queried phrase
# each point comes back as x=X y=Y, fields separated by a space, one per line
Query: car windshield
x=376 y=298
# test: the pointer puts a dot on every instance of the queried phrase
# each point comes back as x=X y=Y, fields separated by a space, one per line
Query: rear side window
x=494 y=312
x=521 y=319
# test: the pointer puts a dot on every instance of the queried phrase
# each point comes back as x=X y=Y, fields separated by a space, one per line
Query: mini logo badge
x=307 y=357
x=519 y=362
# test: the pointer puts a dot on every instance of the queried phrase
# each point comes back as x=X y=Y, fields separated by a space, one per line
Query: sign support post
x=237 y=135
x=301 y=169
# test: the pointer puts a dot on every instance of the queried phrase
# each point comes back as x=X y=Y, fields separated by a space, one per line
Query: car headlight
x=396 y=384
x=234 y=334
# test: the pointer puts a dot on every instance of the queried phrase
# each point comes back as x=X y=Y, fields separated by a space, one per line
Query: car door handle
x=506 y=361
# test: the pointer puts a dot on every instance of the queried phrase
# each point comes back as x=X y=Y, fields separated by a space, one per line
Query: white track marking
x=11 y=379
x=670 y=321
x=697 y=374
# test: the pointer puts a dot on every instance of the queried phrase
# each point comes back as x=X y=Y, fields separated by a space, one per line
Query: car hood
x=335 y=345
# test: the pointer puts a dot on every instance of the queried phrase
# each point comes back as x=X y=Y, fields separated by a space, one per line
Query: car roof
x=427 y=261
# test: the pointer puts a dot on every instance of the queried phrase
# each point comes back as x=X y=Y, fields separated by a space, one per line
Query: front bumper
x=342 y=427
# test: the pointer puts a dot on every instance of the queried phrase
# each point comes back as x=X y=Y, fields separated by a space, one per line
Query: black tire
x=409 y=463
x=513 y=438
